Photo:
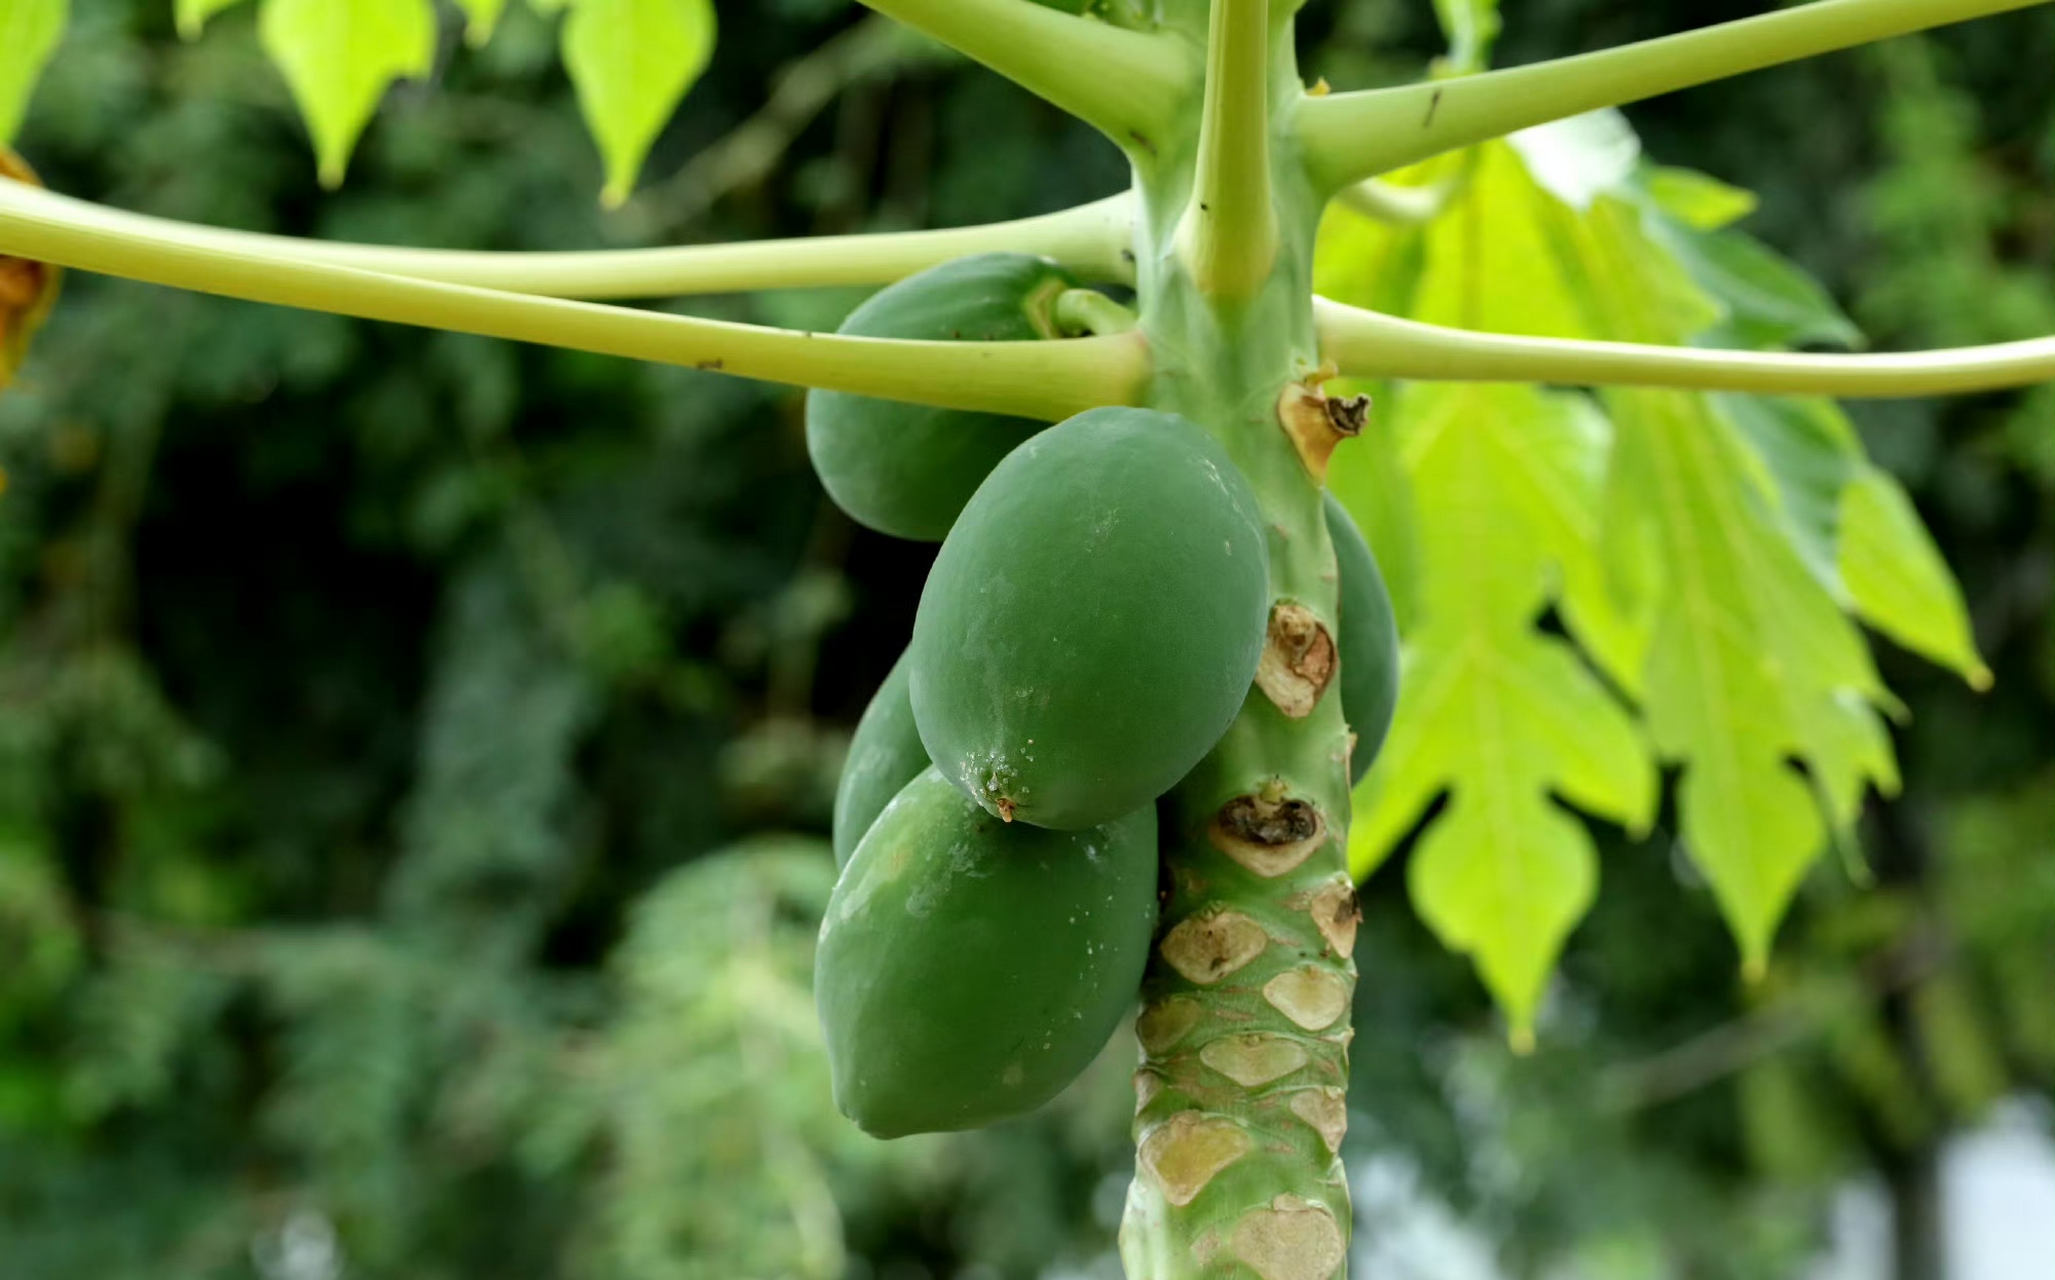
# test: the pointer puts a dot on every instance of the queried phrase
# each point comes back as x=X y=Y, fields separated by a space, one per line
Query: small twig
x=1082 y=312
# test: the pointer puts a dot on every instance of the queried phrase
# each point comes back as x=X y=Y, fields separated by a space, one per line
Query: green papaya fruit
x=884 y=756
x=1094 y=621
x=1369 y=641
x=907 y=470
x=970 y=969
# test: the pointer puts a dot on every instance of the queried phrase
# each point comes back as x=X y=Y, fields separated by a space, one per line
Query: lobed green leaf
x=1703 y=551
x=1505 y=481
x=632 y=62
x=29 y=32
x=1899 y=582
x=339 y=57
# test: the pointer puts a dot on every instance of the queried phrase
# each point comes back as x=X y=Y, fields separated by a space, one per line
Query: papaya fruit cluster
x=1089 y=631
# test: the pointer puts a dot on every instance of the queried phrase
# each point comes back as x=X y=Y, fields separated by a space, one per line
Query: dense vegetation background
x=414 y=749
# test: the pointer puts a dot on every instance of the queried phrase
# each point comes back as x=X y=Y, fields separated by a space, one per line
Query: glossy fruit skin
x=884 y=756
x=1369 y=641
x=969 y=969
x=907 y=470
x=1094 y=621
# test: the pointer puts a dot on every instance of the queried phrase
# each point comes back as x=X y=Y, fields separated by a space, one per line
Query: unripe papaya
x=1369 y=641
x=970 y=969
x=884 y=756
x=907 y=470
x=1094 y=621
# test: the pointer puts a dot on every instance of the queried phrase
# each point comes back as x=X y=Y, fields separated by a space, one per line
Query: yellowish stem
x=1229 y=237
x=1047 y=380
x=1365 y=344
x=1093 y=240
x=1351 y=136
x=1127 y=84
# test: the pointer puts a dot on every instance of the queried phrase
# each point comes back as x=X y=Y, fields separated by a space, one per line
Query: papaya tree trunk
x=1245 y=1025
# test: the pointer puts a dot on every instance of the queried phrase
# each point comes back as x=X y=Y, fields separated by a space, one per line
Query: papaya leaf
x=481 y=18
x=29 y=32
x=1488 y=263
x=1506 y=484
x=1501 y=486
x=1748 y=665
x=28 y=290
x=1769 y=302
x=632 y=62
x=1697 y=200
x=339 y=57
x=1503 y=874
x=191 y=15
x=1693 y=546
x=1753 y=668
x=1366 y=263
x=1492 y=263
x=1899 y=583
x=1506 y=886
x=1811 y=454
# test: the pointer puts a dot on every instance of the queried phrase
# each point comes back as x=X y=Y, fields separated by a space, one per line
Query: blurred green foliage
x=413 y=748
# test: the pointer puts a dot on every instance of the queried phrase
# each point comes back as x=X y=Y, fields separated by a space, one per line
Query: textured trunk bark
x=1245 y=1030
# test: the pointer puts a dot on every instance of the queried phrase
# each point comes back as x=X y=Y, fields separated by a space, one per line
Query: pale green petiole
x=1092 y=240
x=1127 y=84
x=1229 y=236
x=1365 y=344
x=1080 y=311
x=1351 y=136
x=1399 y=206
x=1048 y=380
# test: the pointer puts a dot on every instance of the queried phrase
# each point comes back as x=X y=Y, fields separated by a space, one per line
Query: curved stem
x=1124 y=83
x=1080 y=311
x=1399 y=206
x=1229 y=237
x=1351 y=136
x=1091 y=240
x=1368 y=345
x=1049 y=380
